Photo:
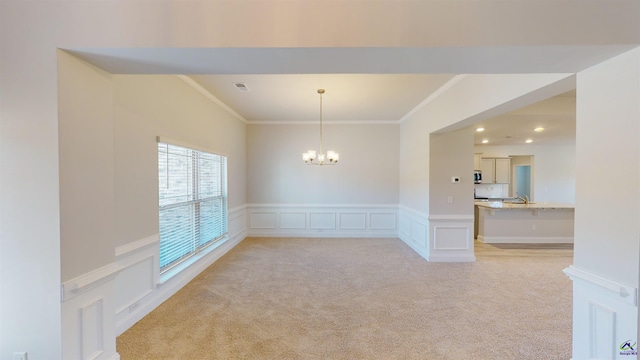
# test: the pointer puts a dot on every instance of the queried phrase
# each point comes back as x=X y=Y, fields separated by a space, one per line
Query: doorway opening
x=522 y=176
x=523 y=180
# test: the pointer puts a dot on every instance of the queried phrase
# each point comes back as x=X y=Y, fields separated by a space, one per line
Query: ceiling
x=556 y=115
x=363 y=85
x=378 y=98
x=352 y=98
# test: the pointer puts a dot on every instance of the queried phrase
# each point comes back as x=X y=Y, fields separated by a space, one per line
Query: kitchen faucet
x=524 y=199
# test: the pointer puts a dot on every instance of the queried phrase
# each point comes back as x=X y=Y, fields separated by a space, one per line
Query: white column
x=605 y=270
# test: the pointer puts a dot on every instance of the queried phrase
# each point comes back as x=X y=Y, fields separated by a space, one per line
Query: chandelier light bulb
x=333 y=156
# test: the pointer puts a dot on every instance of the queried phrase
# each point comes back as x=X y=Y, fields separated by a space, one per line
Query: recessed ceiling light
x=485 y=141
x=538 y=129
x=528 y=141
x=480 y=129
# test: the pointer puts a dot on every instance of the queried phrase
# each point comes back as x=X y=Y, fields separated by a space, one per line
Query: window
x=192 y=200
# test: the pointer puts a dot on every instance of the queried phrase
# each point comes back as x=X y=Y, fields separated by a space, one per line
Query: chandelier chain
x=321 y=92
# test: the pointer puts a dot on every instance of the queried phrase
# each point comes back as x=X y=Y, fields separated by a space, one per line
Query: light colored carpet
x=302 y=298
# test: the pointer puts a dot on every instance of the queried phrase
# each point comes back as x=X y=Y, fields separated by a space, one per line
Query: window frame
x=193 y=201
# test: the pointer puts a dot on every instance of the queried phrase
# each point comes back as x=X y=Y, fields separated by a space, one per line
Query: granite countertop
x=533 y=205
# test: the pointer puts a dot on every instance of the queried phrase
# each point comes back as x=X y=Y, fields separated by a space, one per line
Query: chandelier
x=311 y=157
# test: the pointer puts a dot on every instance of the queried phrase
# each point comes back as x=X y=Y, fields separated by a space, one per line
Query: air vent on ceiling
x=241 y=86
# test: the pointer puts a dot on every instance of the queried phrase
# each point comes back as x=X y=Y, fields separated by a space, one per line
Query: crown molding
x=441 y=90
x=210 y=96
x=315 y=123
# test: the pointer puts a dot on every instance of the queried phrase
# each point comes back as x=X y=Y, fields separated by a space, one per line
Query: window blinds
x=192 y=201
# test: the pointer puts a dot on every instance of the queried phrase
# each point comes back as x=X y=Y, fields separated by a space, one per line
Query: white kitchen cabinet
x=488 y=167
x=495 y=170
x=476 y=161
x=503 y=171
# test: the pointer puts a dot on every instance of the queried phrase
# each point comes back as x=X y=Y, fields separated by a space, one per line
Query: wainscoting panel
x=322 y=220
x=419 y=232
x=404 y=228
x=104 y=303
x=137 y=278
x=237 y=221
x=605 y=315
x=293 y=220
x=413 y=230
x=301 y=220
x=452 y=238
x=602 y=326
x=353 y=221
x=92 y=320
x=384 y=221
x=134 y=283
x=88 y=327
x=263 y=220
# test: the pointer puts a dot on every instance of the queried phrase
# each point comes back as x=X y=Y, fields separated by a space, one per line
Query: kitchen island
x=504 y=222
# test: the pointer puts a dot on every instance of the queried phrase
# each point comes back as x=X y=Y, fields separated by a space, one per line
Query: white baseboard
x=525 y=239
x=421 y=250
x=451 y=258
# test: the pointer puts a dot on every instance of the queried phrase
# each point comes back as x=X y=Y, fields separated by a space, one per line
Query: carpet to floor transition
x=306 y=298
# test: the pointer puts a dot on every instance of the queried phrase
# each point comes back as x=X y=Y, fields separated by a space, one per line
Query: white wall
x=108 y=155
x=605 y=270
x=553 y=169
x=465 y=101
x=87 y=197
x=30 y=316
x=109 y=194
x=147 y=106
x=367 y=172
x=451 y=203
x=462 y=102
x=608 y=198
x=451 y=154
x=358 y=197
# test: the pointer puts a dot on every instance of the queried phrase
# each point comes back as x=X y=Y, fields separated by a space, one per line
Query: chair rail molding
x=622 y=292
x=605 y=315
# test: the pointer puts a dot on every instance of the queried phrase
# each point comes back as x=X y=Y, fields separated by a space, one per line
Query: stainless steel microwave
x=477 y=177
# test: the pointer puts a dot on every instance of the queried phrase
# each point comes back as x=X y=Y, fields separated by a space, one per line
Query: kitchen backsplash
x=492 y=190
